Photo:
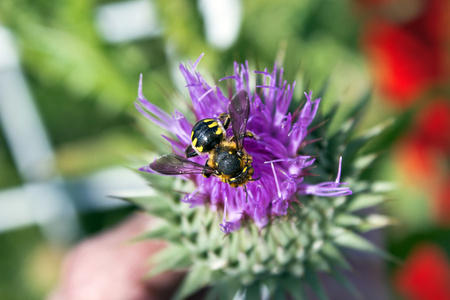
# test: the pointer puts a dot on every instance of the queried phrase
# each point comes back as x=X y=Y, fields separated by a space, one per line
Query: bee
x=228 y=159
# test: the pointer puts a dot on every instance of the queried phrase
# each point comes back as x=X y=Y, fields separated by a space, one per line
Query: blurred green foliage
x=16 y=248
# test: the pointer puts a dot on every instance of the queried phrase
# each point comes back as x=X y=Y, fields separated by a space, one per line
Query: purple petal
x=309 y=110
x=160 y=117
x=279 y=207
x=327 y=188
x=229 y=227
x=296 y=136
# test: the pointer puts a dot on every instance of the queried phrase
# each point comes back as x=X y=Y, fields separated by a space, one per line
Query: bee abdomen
x=206 y=135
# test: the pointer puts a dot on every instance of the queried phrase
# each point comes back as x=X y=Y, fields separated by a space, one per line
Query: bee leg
x=248 y=134
x=190 y=152
x=206 y=172
x=246 y=193
x=225 y=119
x=250 y=172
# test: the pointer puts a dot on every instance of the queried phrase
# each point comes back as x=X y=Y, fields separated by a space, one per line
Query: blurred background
x=70 y=136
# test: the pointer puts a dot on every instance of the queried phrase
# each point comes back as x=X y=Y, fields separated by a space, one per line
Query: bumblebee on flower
x=270 y=168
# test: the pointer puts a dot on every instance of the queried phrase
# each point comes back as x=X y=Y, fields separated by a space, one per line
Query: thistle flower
x=278 y=258
x=278 y=159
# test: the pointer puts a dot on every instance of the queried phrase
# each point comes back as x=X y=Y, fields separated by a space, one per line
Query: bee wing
x=239 y=109
x=174 y=164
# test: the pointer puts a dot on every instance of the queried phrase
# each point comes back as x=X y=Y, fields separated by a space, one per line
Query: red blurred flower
x=431 y=26
x=409 y=58
x=422 y=154
x=425 y=275
x=433 y=126
x=417 y=164
x=403 y=67
x=441 y=205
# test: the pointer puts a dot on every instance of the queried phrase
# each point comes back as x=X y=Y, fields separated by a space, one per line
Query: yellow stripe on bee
x=245 y=169
x=208 y=120
x=192 y=135
x=200 y=149
x=194 y=142
x=219 y=131
x=213 y=124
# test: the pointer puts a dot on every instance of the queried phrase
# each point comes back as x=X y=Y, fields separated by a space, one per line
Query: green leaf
x=328 y=117
x=382 y=187
x=224 y=289
x=334 y=256
x=198 y=277
x=186 y=226
x=337 y=142
x=314 y=283
x=391 y=134
x=347 y=284
x=362 y=201
x=361 y=106
x=293 y=286
x=318 y=262
x=354 y=146
x=171 y=258
x=347 y=220
x=215 y=262
x=161 y=183
x=354 y=241
x=376 y=221
x=158 y=205
x=279 y=293
x=363 y=162
x=202 y=239
x=353 y=118
x=160 y=231
x=233 y=246
x=253 y=292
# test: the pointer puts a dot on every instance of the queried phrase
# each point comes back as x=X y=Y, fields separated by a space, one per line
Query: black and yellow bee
x=228 y=159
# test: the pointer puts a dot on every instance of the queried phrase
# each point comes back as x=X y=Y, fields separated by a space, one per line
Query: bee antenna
x=254 y=179
x=246 y=193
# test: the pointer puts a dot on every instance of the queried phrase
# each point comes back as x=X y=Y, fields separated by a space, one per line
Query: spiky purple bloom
x=276 y=158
